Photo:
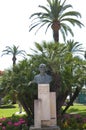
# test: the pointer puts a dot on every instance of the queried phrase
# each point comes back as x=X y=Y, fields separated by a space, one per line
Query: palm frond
x=56 y=10
x=66 y=29
x=65 y=7
x=73 y=21
x=39 y=47
x=45 y=8
x=70 y=13
x=47 y=27
x=74 y=47
x=32 y=26
x=35 y=14
x=63 y=33
x=41 y=26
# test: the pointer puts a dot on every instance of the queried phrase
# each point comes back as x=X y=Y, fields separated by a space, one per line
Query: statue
x=43 y=77
x=45 y=104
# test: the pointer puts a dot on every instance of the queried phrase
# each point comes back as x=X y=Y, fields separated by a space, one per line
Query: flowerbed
x=66 y=122
x=72 y=122
x=13 y=123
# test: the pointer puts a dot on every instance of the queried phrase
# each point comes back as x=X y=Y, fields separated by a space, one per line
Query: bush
x=14 y=123
x=72 y=122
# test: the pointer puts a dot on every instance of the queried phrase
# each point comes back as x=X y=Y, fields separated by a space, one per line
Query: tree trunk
x=13 y=98
x=14 y=61
x=56 y=36
x=55 y=27
x=72 y=99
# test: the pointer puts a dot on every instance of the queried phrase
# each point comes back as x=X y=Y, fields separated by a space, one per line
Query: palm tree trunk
x=56 y=35
x=14 y=60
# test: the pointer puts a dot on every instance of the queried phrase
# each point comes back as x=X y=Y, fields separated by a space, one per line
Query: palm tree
x=65 y=70
x=14 y=51
x=55 y=14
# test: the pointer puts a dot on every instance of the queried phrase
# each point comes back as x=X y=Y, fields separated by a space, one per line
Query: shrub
x=13 y=123
x=72 y=122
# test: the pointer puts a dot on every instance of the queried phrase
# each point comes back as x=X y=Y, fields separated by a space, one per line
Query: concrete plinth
x=37 y=113
x=44 y=95
x=46 y=128
x=45 y=109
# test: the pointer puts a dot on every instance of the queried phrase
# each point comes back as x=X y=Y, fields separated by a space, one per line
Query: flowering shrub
x=66 y=122
x=13 y=123
x=73 y=122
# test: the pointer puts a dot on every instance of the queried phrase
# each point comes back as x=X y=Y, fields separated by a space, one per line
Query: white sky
x=14 y=26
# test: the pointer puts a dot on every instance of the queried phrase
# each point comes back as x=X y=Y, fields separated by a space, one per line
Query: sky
x=15 y=22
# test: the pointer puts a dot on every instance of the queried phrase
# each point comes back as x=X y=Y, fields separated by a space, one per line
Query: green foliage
x=58 y=14
x=14 y=123
x=67 y=72
x=7 y=99
x=73 y=122
x=67 y=69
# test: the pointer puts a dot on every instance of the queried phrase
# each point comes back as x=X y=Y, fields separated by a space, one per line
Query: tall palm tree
x=14 y=51
x=55 y=14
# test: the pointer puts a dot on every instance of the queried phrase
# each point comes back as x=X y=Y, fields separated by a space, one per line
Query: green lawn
x=77 y=109
x=8 y=110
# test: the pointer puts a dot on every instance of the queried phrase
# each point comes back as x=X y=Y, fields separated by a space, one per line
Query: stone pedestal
x=37 y=115
x=53 y=119
x=45 y=109
x=46 y=128
x=44 y=95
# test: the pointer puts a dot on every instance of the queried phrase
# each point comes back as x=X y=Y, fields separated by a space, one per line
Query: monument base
x=46 y=128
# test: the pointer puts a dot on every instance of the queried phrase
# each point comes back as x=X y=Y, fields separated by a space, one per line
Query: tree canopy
x=57 y=15
x=67 y=72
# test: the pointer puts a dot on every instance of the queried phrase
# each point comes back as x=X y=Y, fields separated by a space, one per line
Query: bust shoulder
x=42 y=79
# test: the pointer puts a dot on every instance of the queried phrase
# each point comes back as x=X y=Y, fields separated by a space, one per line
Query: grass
x=8 y=110
x=77 y=109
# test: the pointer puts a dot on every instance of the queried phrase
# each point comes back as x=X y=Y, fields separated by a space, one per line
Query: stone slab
x=37 y=113
x=44 y=95
x=53 y=120
x=46 y=128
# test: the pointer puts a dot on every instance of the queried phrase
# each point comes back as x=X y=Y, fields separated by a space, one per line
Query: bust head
x=42 y=68
x=43 y=77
